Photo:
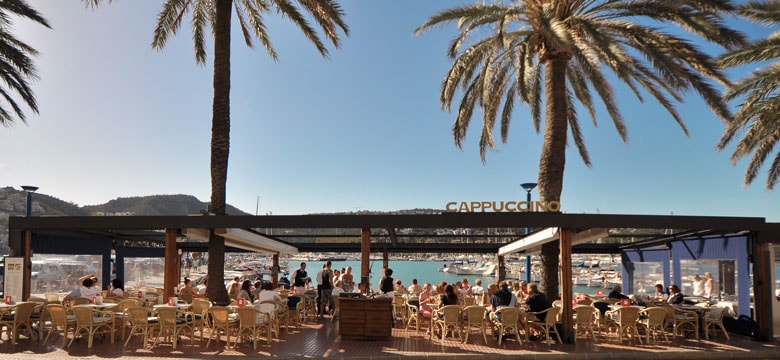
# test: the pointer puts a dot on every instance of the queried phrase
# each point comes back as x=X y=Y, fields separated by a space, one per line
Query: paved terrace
x=320 y=339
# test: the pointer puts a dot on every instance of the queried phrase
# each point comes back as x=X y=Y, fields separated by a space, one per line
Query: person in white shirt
x=698 y=285
x=337 y=289
x=268 y=293
x=477 y=289
x=88 y=289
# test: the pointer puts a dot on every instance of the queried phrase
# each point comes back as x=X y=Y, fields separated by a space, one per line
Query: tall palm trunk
x=552 y=161
x=220 y=147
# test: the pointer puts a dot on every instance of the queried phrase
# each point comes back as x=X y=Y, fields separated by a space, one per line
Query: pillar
x=365 y=253
x=172 y=264
x=275 y=271
x=27 y=254
x=501 y=269
x=567 y=322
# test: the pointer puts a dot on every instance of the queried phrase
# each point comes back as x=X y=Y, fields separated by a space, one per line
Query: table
x=365 y=319
x=102 y=306
x=166 y=306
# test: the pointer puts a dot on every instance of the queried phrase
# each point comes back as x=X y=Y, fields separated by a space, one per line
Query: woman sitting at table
x=246 y=292
x=426 y=299
x=116 y=289
x=675 y=297
x=188 y=289
x=450 y=297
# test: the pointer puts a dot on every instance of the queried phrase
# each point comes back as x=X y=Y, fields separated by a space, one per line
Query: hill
x=14 y=203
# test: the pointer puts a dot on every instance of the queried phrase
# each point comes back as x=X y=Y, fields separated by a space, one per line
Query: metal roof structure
x=483 y=232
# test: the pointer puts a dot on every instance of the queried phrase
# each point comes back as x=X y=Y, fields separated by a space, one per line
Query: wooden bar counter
x=365 y=319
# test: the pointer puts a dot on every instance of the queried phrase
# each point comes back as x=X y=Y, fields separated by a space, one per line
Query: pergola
x=499 y=233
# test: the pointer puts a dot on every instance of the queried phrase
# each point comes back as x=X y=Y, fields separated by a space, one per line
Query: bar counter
x=365 y=319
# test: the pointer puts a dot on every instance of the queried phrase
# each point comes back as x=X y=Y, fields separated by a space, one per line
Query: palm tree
x=16 y=65
x=251 y=18
x=556 y=52
x=757 y=119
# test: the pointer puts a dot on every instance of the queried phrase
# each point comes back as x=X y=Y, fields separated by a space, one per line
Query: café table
x=99 y=307
x=175 y=306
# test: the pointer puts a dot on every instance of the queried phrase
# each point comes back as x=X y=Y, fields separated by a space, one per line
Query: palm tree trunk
x=552 y=161
x=220 y=147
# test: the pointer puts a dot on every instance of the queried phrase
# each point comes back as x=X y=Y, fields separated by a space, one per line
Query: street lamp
x=29 y=189
x=528 y=187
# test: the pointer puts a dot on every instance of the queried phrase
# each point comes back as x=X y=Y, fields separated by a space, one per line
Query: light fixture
x=29 y=189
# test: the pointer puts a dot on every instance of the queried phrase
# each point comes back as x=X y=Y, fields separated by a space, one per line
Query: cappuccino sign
x=503 y=206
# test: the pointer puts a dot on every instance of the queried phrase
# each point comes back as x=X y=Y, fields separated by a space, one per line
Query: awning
x=245 y=239
x=532 y=244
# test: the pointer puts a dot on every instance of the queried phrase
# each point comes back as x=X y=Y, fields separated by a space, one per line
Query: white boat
x=475 y=269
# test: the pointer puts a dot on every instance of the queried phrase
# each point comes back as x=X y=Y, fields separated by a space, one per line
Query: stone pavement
x=320 y=339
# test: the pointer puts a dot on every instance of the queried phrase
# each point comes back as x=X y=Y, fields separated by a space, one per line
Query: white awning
x=244 y=239
x=532 y=244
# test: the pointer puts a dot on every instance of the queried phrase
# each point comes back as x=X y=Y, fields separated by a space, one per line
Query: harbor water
x=406 y=270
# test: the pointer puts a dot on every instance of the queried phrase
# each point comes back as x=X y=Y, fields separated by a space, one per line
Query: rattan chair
x=173 y=323
x=270 y=308
x=17 y=319
x=220 y=321
x=624 y=320
x=91 y=322
x=199 y=310
x=474 y=317
x=252 y=322
x=714 y=319
x=653 y=322
x=141 y=323
x=545 y=326
x=120 y=317
x=448 y=320
x=586 y=317
x=506 y=321
x=60 y=321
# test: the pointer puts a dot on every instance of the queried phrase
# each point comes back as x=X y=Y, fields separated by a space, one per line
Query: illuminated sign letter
x=464 y=207
x=499 y=207
x=475 y=205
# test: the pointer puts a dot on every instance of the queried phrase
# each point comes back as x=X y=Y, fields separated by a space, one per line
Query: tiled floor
x=320 y=339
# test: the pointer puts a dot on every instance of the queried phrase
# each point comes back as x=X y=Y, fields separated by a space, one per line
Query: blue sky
x=362 y=130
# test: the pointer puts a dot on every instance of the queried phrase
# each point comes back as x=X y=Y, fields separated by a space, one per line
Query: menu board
x=14 y=276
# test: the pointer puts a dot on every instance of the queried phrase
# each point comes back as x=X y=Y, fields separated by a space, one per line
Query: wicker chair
x=474 y=318
x=586 y=317
x=60 y=321
x=653 y=322
x=220 y=321
x=18 y=321
x=714 y=319
x=141 y=323
x=624 y=320
x=199 y=310
x=252 y=322
x=506 y=321
x=545 y=326
x=173 y=322
x=447 y=318
x=92 y=322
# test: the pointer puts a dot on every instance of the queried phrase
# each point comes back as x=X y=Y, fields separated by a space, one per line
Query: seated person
x=415 y=288
x=87 y=291
x=426 y=299
x=502 y=298
x=675 y=297
x=617 y=293
x=660 y=295
x=188 y=289
x=116 y=290
x=449 y=297
x=245 y=292
x=536 y=301
x=268 y=293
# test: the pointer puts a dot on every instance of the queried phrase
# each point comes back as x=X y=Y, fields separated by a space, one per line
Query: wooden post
x=365 y=252
x=275 y=271
x=385 y=259
x=763 y=289
x=27 y=254
x=567 y=321
x=172 y=266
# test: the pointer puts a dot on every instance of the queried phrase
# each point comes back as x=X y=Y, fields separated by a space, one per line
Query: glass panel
x=722 y=272
x=143 y=272
x=646 y=275
x=59 y=274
